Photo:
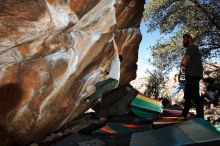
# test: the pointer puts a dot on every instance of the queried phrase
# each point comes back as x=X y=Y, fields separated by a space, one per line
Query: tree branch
x=210 y=17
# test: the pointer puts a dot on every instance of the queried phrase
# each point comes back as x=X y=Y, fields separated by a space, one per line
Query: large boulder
x=50 y=51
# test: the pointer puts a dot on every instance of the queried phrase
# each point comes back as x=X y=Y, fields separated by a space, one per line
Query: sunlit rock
x=51 y=51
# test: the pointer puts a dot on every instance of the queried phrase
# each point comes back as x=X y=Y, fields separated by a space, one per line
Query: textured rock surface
x=50 y=51
x=117 y=102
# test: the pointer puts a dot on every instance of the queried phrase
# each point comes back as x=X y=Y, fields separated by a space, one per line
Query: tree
x=200 y=17
x=155 y=83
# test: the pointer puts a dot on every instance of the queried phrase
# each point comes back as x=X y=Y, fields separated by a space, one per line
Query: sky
x=144 y=54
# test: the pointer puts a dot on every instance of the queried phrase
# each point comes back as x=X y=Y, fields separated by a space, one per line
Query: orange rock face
x=50 y=51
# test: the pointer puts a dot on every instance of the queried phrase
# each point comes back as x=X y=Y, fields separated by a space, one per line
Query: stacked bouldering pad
x=118 y=128
x=167 y=118
x=146 y=107
x=164 y=121
x=171 y=113
x=123 y=124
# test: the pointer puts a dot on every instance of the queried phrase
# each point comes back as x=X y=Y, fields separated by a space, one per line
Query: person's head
x=120 y=58
x=188 y=39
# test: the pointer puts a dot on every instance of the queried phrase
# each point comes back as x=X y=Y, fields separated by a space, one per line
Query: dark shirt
x=195 y=67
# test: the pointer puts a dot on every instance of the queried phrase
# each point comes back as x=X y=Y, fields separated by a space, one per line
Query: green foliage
x=200 y=17
x=155 y=84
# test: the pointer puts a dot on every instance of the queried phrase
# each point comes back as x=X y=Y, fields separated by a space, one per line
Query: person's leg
x=196 y=97
x=182 y=87
x=108 y=86
x=176 y=91
x=98 y=92
x=101 y=83
x=187 y=98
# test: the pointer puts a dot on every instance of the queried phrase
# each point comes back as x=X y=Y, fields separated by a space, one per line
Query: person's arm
x=115 y=47
x=185 y=60
x=190 y=53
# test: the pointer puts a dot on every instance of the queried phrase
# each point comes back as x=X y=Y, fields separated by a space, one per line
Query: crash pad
x=119 y=128
x=164 y=121
x=171 y=113
x=184 y=133
x=146 y=107
x=80 y=140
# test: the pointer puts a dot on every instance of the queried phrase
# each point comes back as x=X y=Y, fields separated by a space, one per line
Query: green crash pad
x=146 y=107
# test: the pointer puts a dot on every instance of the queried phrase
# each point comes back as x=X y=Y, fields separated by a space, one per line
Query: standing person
x=194 y=71
x=112 y=81
x=179 y=81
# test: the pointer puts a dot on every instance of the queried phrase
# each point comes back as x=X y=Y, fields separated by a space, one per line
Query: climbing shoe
x=181 y=118
x=99 y=100
x=85 y=101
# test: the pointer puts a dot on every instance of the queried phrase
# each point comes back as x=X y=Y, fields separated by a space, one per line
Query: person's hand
x=183 y=68
x=185 y=60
